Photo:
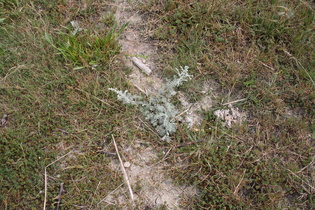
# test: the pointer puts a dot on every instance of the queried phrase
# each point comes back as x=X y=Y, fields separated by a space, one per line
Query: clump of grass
x=84 y=49
x=259 y=51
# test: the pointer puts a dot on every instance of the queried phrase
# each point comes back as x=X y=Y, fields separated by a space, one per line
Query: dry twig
x=45 y=199
x=123 y=169
x=233 y=102
x=237 y=187
x=307 y=165
x=141 y=66
x=104 y=199
x=59 y=196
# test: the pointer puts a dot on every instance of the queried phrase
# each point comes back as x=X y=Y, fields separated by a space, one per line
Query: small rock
x=127 y=164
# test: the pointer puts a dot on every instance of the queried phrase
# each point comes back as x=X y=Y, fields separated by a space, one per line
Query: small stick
x=123 y=169
x=265 y=65
x=59 y=196
x=236 y=189
x=183 y=112
x=232 y=102
x=110 y=193
x=140 y=89
x=307 y=165
x=141 y=66
x=45 y=199
x=149 y=127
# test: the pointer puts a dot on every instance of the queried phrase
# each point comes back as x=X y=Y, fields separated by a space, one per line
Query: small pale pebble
x=127 y=164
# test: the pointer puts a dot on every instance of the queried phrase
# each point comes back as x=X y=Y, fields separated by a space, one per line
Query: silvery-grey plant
x=158 y=109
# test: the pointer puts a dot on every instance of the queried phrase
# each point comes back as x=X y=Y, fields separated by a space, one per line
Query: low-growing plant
x=158 y=110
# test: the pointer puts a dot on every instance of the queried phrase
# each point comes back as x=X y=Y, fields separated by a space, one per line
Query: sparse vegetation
x=54 y=86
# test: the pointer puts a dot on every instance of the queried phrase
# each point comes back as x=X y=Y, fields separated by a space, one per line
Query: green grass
x=85 y=49
x=54 y=107
x=262 y=52
x=54 y=86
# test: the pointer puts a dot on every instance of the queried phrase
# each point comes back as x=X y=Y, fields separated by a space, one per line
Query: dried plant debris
x=230 y=116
